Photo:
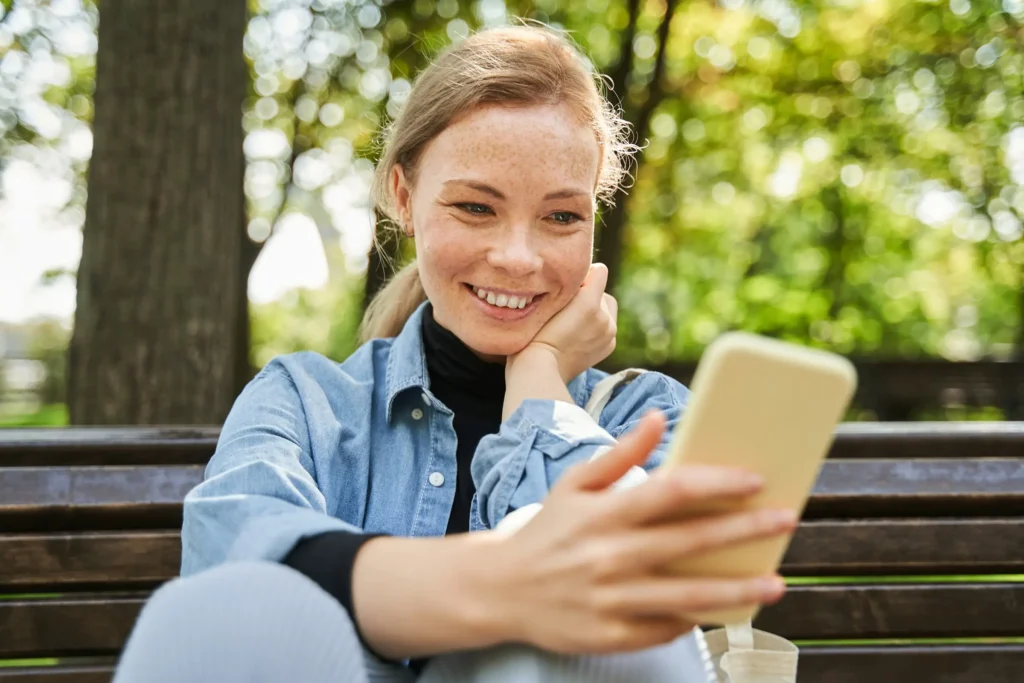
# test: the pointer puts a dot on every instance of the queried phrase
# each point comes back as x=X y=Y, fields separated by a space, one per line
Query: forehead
x=546 y=143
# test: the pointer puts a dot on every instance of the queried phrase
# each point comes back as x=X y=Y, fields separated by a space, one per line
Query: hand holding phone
x=769 y=407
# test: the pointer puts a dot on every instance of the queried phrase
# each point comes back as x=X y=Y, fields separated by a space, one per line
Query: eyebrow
x=494 y=192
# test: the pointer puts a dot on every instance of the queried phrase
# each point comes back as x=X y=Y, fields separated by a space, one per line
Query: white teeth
x=503 y=300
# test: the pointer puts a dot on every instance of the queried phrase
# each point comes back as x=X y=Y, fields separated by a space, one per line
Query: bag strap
x=740 y=636
x=604 y=389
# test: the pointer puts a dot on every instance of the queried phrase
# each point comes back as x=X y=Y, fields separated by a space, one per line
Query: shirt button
x=417 y=414
x=436 y=479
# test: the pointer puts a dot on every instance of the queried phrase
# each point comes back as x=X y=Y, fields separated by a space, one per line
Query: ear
x=401 y=195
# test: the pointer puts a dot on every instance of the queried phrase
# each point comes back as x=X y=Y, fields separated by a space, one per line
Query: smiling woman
x=348 y=487
x=495 y=165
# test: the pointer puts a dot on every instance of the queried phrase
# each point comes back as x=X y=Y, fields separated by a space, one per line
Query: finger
x=595 y=283
x=664 y=596
x=656 y=547
x=639 y=633
x=632 y=449
x=611 y=306
x=688 y=490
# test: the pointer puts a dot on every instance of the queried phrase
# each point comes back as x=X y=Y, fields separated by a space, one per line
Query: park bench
x=902 y=569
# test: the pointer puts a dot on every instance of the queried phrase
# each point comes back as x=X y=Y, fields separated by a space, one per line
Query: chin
x=491 y=345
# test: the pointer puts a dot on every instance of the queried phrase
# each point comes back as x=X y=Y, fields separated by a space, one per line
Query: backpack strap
x=604 y=389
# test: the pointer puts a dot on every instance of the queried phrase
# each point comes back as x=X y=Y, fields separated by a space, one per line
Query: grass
x=54 y=415
x=848 y=580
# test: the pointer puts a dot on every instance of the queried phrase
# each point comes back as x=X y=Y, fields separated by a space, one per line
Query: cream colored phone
x=766 y=406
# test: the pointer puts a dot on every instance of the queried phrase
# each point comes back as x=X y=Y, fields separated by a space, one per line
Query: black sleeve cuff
x=328 y=560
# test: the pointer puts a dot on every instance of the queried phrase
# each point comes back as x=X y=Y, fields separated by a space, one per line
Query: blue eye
x=475 y=209
x=565 y=217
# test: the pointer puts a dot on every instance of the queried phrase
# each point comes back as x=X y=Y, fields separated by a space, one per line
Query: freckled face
x=502 y=209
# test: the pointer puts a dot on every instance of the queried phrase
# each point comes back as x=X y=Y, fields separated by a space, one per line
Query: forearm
x=532 y=373
x=416 y=597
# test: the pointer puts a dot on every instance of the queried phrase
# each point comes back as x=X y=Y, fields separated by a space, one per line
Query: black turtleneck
x=474 y=390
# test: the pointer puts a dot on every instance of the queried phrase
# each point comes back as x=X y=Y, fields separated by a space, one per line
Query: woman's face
x=502 y=210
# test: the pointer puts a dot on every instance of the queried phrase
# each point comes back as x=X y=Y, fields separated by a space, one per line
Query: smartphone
x=770 y=407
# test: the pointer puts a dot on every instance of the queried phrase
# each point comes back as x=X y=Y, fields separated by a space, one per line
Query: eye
x=474 y=208
x=565 y=217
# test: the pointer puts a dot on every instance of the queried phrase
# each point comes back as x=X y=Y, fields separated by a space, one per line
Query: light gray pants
x=259 y=622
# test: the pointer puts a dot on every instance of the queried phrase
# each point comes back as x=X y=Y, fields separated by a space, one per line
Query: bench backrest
x=914 y=531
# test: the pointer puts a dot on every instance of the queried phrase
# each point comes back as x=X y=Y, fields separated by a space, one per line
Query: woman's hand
x=586 y=575
x=582 y=334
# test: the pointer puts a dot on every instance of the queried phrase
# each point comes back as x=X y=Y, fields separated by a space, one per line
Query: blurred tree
x=157 y=318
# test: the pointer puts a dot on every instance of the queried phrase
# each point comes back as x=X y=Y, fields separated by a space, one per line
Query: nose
x=514 y=252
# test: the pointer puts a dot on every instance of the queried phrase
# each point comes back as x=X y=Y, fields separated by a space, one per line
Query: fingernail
x=753 y=481
x=783 y=518
x=772 y=586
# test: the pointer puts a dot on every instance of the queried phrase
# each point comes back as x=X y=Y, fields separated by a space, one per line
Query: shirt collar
x=407 y=364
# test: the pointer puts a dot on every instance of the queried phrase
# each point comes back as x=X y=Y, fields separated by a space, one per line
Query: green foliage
x=847 y=175
x=55 y=415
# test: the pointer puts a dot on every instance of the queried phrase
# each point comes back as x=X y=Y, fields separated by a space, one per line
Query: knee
x=242 y=621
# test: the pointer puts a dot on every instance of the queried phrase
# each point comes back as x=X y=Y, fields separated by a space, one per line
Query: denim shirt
x=312 y=446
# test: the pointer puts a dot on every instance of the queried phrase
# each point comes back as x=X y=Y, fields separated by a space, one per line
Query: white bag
x=740 y=653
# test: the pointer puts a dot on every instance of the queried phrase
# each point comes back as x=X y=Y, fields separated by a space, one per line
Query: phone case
x=766 y=406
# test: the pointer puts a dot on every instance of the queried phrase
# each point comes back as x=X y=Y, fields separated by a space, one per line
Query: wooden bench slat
x=68 y=626
x=69 y=446
x=906 y=488
x=99 y=498
x=92 y=625
x=94 y=498
x=900 y=664
x=928 y=440
x=38 y=562
x=885 y=664
x=906 y=546
x=116 y=559
x=74 y=670
x=961 y=610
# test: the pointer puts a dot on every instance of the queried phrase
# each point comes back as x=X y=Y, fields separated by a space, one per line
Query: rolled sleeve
x=259 y=496
x=534 y=446
x=543 y=438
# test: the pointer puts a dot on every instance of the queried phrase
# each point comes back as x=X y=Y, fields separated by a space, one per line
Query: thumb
x=632 y=449
x=596 y=281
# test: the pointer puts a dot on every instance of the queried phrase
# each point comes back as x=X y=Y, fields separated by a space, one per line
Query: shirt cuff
x=327 y=559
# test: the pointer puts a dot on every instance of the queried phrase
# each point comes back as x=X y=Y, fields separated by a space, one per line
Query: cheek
x=571 y=264
x=442 y=252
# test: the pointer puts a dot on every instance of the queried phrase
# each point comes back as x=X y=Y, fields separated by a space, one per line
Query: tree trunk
x=158 y=302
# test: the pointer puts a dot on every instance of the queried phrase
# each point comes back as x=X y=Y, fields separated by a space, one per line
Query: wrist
x=538 y=356
x=485 y=590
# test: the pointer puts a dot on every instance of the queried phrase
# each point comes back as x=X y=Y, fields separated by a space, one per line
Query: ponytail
x=393 y=305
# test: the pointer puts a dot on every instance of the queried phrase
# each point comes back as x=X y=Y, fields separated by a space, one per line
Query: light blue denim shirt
x=312 y=445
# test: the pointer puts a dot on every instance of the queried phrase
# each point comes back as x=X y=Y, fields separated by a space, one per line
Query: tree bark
x=157 y=323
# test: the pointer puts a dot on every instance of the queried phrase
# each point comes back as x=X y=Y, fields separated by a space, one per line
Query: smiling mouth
x=501 y=300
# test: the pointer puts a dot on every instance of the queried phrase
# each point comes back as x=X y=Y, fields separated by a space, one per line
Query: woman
x=334 y=504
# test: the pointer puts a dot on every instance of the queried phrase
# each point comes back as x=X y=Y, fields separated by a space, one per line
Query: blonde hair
x=517 y=65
